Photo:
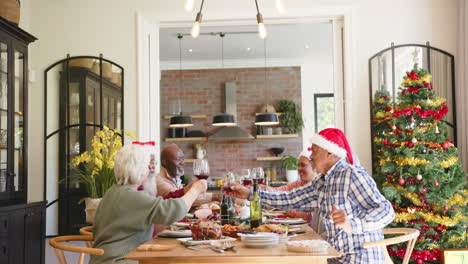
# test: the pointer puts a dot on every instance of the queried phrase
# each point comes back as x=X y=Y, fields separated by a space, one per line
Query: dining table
x=277 y=254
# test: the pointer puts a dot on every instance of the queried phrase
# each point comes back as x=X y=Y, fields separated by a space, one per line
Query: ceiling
x=284 y=41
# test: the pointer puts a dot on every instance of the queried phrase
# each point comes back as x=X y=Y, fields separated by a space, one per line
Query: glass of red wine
x=227 y=180
x=259 y=175
x=201 y=169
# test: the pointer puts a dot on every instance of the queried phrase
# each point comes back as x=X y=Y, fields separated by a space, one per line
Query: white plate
x=191 y=242
x=181 y=224
x=258 y=235
x=297 y=221
x=175 y=233
x=273 y=213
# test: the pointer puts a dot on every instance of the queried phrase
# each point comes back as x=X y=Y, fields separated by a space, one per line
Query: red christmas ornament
x=412 y=119
x=419 y=261
x=436 y=184
x=385 y=142
x=389 y=146
x=447 y=145
x=411 y=144
x=401 y=181
x=446 y=208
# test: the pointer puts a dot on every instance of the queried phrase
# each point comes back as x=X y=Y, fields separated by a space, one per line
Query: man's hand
x=340 y=219
x=237 y=190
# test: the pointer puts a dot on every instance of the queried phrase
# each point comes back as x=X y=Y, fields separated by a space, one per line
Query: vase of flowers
x=96 y=168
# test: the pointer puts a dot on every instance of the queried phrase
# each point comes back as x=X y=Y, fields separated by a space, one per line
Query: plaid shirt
x=349 y=188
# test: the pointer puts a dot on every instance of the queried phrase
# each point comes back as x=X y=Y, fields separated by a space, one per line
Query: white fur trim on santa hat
x=306 y=154
x=328 y=145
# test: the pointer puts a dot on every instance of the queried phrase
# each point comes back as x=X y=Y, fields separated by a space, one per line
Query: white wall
x=89 y=27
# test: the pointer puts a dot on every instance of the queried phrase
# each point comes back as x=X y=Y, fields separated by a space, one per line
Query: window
x=324 y=110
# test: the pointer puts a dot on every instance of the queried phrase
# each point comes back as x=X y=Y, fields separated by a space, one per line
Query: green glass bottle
x=255 y=208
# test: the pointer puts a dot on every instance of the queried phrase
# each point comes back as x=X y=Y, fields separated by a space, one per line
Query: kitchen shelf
x=186 y=139
x=269 y=158
x=189 y=160
x=276 y=136
x=167 y=117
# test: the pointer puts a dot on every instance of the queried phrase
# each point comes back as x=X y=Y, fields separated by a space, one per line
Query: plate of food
x=175 y=233
x=289 y=221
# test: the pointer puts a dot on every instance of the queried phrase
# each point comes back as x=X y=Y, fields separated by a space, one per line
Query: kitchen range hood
x=231 y=132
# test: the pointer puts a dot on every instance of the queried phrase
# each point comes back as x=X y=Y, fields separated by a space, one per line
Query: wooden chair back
x=60 y=247
x=409 y=235
x=87 y=231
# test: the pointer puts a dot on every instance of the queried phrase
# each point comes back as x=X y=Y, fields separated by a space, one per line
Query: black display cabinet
x=83 y=94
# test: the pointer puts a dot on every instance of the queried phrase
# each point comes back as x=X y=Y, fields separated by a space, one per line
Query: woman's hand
x=237 y=190
x=196 y=188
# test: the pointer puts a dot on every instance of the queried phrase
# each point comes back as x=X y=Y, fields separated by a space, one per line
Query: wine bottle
x=255 y=208
x=224 y=211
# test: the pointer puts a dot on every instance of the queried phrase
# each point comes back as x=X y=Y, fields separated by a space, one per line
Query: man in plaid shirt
x=351 y=207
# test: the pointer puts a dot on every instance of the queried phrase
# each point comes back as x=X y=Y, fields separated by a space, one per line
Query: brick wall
x=202 y=92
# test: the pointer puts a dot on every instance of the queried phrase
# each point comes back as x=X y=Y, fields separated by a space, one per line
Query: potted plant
x=96 y=168
x=289 y=163
x=291 y=117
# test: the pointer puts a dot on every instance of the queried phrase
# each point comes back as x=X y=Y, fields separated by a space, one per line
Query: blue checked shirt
x=349 y=188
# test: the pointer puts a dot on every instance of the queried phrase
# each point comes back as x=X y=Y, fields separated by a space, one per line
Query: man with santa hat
x=347 y=198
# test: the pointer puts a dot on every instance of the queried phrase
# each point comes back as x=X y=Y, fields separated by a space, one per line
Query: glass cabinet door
x=3 y=116
x=18 y=148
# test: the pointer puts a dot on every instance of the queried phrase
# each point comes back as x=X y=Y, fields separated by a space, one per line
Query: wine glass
x=227 y=180
x=258 y=175
x=201 y=169
x=246 y=177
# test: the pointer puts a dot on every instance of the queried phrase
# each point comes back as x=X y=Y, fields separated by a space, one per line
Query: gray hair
x=131 y=164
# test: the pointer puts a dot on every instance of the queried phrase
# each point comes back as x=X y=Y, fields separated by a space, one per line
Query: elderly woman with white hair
x=125 y=216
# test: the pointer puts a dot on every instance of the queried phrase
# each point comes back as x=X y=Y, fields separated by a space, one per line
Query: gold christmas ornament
x=414 y=140
x=437 y=129
x=393 y=127
x=419 y=177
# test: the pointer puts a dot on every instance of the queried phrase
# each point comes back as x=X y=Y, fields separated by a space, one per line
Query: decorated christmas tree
x=419 y=167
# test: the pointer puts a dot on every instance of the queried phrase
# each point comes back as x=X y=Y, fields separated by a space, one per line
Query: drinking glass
x=201 y=169
x=259 y=175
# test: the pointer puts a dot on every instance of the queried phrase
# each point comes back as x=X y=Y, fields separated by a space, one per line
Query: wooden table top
x=181 y=254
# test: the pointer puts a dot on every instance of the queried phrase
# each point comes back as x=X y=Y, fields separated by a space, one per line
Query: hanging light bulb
x=261 y=26
x=188 y=5
x=279 y=6
x=196 y=25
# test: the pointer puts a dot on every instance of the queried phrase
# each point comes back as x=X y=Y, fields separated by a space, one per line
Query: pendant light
x=261 y=26
x=266 y=118
x=223 y=119
x=196 y=25
x=180 y=120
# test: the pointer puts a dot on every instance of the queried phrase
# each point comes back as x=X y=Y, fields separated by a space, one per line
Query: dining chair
x=60 y=248
x=87 y=231
x=408 y=235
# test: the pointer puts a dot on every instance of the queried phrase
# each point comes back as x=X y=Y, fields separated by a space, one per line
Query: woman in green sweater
x=125 y=216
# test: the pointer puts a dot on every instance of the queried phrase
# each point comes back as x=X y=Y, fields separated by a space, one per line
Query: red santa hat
x=334 y=141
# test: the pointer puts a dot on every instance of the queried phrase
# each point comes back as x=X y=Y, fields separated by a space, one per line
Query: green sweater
x=124 y=220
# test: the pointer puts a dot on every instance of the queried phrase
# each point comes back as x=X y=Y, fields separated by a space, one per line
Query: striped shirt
x=349 y=188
